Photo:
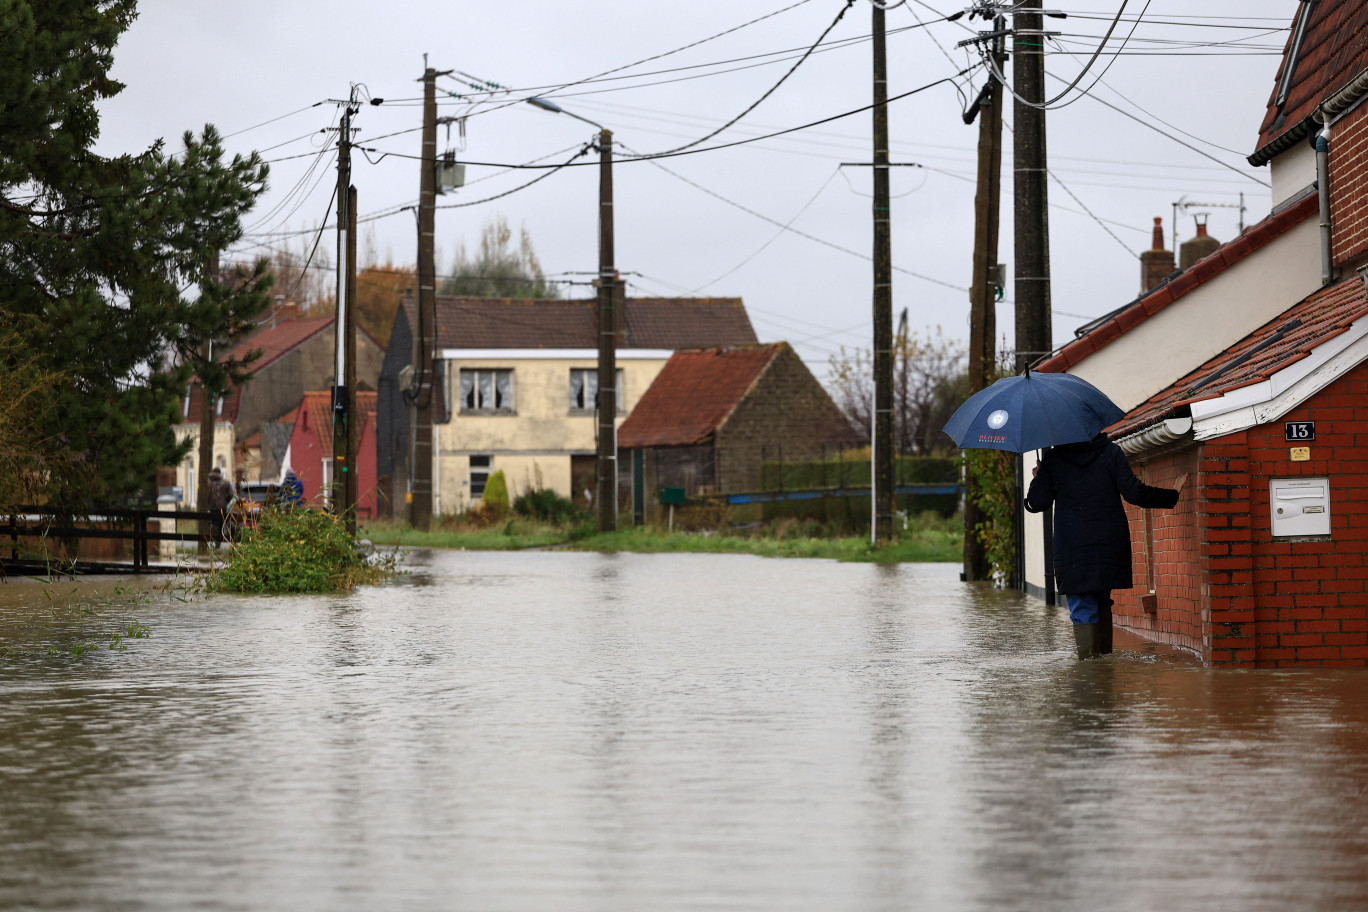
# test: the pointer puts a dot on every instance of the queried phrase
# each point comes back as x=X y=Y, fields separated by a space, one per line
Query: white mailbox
x=1300 y=506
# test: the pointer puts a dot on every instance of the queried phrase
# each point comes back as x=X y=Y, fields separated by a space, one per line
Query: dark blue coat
x=1085 y=482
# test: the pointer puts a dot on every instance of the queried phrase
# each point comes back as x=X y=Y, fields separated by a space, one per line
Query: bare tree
x=498 y=269
x=929 y=383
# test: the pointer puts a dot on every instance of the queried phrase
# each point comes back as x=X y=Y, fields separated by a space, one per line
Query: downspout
x=1323 y=191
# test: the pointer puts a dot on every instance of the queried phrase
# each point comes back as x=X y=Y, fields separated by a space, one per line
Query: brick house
x=714 y=416
x=310 y=452
x=252 y=421
x=1263 y=561
x=516 y=380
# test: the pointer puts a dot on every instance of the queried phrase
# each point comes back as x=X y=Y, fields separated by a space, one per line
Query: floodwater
x=560 y=731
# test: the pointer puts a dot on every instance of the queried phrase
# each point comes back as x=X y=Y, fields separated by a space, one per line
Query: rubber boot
x=1085 y=635
x=1104 y=630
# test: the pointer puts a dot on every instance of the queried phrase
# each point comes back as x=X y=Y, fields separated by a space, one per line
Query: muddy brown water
x=655 y=732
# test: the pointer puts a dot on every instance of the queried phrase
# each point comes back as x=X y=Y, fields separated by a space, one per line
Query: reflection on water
x=575 y=731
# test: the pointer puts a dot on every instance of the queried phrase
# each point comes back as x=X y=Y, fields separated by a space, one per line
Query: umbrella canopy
x=1032 y=412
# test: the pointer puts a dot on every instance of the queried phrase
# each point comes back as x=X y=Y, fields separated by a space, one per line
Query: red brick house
x=310 y=453
x=1265 y=560
x=712 y=417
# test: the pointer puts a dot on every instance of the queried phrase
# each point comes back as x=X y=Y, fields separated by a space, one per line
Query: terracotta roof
x=668 y=323
x=1205 y=269
x=1275 y=345
x=319 y=405
x=693 y=395
x=1332 y=53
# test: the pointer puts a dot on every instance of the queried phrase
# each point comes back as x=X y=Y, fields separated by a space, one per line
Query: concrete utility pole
x=881 y=444
x=1034 y=336
x=610 y=302
x=343 y=395
x=424 y=336
x=983 y=293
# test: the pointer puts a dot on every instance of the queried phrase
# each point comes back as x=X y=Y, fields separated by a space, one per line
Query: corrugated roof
x=1202 y=271
x=668 y=323
x=693 y=395
x=1332 y=53
x=1272 y=347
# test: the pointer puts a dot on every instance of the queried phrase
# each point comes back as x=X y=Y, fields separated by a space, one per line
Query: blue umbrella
x=1032 y=412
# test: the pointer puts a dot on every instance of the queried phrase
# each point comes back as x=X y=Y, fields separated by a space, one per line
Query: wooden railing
x=128 y=524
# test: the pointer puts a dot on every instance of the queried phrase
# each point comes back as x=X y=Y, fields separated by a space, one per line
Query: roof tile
x=693 y=395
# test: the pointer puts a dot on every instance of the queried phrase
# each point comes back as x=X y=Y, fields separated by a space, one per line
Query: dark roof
x=1275 y=345
x=664 y=323
x=694 y=394
x=1205 y=269
x=1332 y=54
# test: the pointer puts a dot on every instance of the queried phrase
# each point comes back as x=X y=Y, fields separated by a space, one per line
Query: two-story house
x=518 y=381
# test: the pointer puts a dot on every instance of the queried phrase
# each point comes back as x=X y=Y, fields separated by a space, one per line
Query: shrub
x=495 y=498
x=548 y=506
x=295 y=551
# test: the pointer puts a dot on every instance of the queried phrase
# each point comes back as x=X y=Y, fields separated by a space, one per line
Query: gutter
x=1169 y=430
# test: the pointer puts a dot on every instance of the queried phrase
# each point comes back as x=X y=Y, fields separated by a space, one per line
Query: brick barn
x=1265 y=560
x=713 y=417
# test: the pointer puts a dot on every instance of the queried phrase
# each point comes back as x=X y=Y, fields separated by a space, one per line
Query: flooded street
x=569 y=731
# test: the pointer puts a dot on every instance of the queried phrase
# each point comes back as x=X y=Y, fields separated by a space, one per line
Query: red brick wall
x=1172 y=549
x=1349 y=186
x=1262 y=602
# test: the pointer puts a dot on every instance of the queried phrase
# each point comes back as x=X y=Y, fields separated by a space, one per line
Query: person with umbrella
x=1092 y=544
x=1083 y=475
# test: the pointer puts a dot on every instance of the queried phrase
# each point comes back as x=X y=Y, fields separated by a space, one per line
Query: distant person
x=291 y=490
x=221 y=494
x=1092 y=543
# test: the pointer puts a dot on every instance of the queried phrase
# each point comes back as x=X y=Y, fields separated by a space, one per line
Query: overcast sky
x=710 y=223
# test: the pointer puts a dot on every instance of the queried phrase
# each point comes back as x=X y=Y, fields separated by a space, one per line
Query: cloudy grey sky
x=710 y=223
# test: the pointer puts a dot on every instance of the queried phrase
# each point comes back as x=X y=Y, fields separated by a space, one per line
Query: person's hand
x=1182 y=480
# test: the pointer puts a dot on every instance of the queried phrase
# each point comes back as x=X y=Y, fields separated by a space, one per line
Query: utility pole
x=983 y=293
x=208 y=403
x=350 y=480
x=609 y=305
x=424 y=356
x=343 y=398
x=1034 y=335
x=881 y=443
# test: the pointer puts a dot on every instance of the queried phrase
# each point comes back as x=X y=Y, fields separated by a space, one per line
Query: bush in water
x=295 y=551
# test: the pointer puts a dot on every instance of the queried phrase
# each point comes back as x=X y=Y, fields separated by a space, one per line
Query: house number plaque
x=1299 y=431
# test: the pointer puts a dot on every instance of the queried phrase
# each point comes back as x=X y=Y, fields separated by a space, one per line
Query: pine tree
x=94 y=251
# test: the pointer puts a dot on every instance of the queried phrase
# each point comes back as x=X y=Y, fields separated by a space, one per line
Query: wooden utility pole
x=424 y=356
x=609 y=300
x=208 y=405
x=341 y=398
x=349 y=478
x=1032 y=224
x=983 y=293
x=881 y=443
x=1034 y=334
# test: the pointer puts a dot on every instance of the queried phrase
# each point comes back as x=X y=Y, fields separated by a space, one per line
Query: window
x=486 y=390
x=584 y=388
x=479 y=475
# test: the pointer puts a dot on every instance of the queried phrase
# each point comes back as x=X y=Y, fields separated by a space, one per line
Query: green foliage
x=495 y=497
x=498 y=270
x=992 y=484
x=94 y=251
x=548 y=506
x=294 y=550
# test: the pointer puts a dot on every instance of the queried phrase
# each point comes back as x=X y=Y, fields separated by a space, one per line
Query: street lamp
x=609 y=298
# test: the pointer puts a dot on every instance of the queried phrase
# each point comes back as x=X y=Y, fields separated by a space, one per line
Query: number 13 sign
x=1299 y=430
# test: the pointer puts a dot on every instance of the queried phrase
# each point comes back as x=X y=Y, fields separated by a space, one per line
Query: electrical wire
x=1092 y=60
x=540 y=177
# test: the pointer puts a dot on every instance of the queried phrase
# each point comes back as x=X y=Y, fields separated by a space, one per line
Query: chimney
x=1199 y=247
x=1155 y=263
